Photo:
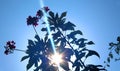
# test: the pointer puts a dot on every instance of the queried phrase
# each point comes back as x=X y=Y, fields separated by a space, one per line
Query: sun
x=56 y=58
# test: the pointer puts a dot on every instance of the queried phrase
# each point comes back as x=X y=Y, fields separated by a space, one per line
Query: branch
x=70 y=45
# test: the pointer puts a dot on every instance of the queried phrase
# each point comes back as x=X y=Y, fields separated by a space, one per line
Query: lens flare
x=51 y=39
x=48 y=27
x=56 y=58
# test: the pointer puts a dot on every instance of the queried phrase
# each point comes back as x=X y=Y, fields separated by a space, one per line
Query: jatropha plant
x=70 y=51
x=114 y=52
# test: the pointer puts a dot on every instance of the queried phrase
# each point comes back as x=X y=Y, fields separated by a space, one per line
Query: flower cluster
x=34 y=20
x=10 y=47
x=46 y=9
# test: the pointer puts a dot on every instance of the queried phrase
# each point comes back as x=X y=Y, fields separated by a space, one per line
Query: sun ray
x=51 y=39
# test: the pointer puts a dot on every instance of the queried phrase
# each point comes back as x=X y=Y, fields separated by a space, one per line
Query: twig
x=20 y=50
x=35 y=30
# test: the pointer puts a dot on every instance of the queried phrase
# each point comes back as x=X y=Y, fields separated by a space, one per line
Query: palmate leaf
x=31 y=43
x=56 y=35
x=29 y=66
x=34 y=52
x=90 y=43
x=92 y=67
x=67 y=52
x=44 y=29
x=77 y=68
x=118 y=38
x=63 y=15
x=65 y=65
x=108 y=59
x=110 y=55
x=51 y=14
x=91 y=52
x=74 y=33
x=68 y=26
x=30 y=63
x=81 y=42
x=25 y=57
x=77 y=32
x=77 y=63
x=58 y=40
x=117 y=50
x=79 y=54
x=38 y=38
x=56 y=16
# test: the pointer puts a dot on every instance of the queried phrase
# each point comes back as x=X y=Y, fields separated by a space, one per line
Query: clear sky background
x=99 y=20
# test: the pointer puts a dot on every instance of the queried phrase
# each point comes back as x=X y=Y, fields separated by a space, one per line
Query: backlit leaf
x=25 y=57
x=91 y=52
x=63 y=15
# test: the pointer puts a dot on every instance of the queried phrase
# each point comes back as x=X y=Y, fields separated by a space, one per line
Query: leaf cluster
x=67 y=43
x=114 y=52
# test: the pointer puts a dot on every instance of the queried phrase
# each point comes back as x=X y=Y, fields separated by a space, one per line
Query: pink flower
x=39 y=14
x=46 y=9
x=6 y=52
x=35 y=24
x=32 y=21
x=10 y=47
x=8 y=43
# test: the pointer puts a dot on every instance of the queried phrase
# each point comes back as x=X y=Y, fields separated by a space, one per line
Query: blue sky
x=97 y=19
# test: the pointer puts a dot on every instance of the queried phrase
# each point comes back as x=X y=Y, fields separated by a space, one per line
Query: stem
x=70 y=46
x=20 y=50
x=35 y=30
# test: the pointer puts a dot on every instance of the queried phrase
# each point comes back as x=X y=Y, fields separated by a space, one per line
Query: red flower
x=9 y=48
x=46 y=9
x=8 y=43
x=32 y=21
x=35 y=24
x=6 y=52
x=12 y=42
x=12 y=47
x=39 y=14
x=29 y=20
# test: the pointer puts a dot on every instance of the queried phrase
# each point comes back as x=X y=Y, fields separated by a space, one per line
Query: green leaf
x=29 y=65
x=81 y=55
x=90 y=43
x=118 y=38
x=37 y=37
x=72 y=34
x=30 y=42
x=108 y=65
x=44 y=29
x=111 y=44
x=65 y=65
x=108 y=59
x=104 y=61
x=117 y=50
x=56 y=17
x=51 y=14
x=77 y=68
x=63 y=15
x=67 y=26
x=56 y=35
x=25 y=57
x=110 y=55
x=91 y=52
x=43 y=23
x=52 y=29
x=71 y=25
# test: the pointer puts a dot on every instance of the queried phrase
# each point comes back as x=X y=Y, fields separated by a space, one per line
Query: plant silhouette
x=114 y=52
x=68 y=42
